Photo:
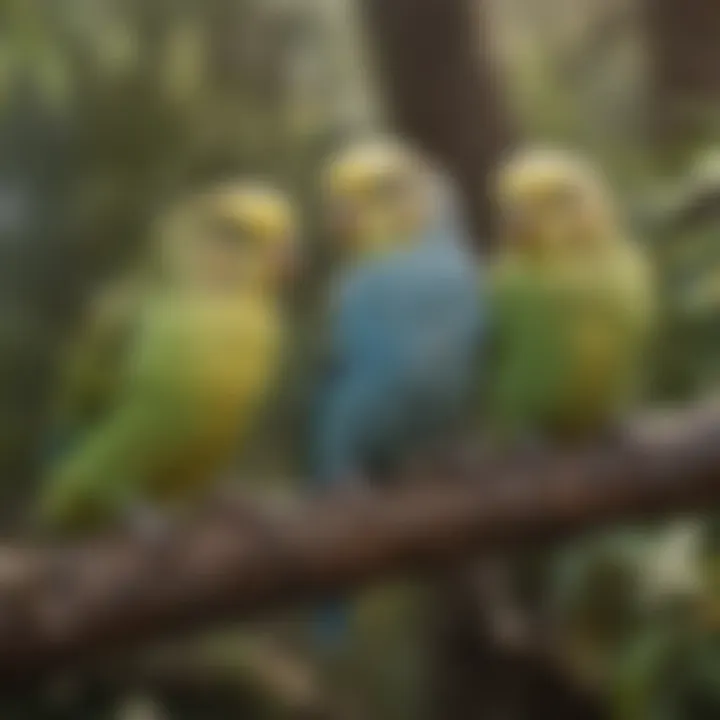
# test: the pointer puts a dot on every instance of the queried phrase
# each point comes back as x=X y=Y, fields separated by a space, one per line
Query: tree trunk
x=442 y=90
x=685 y=69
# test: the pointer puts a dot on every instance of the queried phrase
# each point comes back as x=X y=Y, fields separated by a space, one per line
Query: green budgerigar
x=202 y=357
x=573 y=303
x=573 y=312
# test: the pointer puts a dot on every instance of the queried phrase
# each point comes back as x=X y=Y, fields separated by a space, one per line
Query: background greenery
x=108 y=107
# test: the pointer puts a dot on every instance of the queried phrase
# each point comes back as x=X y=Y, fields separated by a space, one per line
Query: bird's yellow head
x=553 y=203
x=376 y=197
x=235 y=235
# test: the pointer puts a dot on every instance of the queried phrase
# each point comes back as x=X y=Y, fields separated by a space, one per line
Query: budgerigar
x=573 y=312
x=406 y=320
x=204 y=356
x=573 y=305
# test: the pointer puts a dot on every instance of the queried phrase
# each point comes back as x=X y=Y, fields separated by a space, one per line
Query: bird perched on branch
x=574 y=311
x=203 y=355
x=573 y=302
x=404 y=320
x=405 y=316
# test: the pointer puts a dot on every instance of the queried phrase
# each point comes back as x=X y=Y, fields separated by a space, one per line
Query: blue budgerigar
x=403 y=337
x=405 y=321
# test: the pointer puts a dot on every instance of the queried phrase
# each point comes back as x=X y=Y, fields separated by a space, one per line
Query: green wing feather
x=90 y=375
x=193 y=381
x=527 y=347
x=116 y=458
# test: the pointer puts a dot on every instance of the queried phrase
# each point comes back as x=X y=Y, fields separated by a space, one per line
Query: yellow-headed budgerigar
x=203 y=356
x=573 y=305
x=405 y=317
x=573 y=314
x=405 y=322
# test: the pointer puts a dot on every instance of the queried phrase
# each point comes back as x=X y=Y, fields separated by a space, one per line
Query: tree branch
x=62 y=605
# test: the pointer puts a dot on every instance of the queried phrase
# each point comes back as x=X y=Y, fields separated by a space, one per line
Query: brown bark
x=442 y=90
x=685 y=68
x=60 y=605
